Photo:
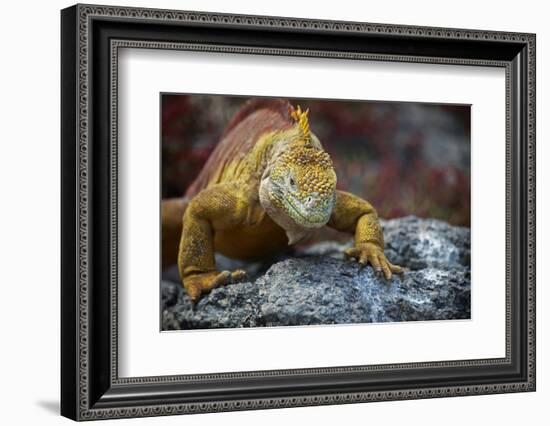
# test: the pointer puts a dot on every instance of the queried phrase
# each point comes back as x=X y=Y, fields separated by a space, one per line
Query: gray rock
x=319 y=286
x=232 y=306
x=424 y=243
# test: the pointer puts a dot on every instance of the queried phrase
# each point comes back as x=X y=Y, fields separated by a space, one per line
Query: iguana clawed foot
x=197 y=284
x=371 y=253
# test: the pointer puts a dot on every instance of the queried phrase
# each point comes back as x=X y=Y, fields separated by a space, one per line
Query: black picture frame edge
x=88 y=390
x=69 y=190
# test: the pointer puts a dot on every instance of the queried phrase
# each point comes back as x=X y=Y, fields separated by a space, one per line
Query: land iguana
x=268 y=184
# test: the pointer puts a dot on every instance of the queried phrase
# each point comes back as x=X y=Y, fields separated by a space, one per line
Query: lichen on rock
x=319 y=286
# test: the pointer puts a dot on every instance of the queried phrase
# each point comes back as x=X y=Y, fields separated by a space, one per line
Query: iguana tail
x=172 y=210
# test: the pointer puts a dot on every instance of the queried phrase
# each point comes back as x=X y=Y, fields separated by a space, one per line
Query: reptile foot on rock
x=198 y=284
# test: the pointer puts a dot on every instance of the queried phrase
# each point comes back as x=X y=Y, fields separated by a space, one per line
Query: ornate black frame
x=91 y=37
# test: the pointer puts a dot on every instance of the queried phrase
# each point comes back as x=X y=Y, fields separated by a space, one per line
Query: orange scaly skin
x=268 y=184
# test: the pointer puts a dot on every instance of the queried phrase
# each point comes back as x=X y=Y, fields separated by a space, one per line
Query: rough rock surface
x=319 y=286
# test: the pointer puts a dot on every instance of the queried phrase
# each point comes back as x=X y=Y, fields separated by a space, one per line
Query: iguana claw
x=198 y=284
x=371 y=253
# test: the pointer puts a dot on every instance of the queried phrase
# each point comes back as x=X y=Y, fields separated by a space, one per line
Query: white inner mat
x=145 y=351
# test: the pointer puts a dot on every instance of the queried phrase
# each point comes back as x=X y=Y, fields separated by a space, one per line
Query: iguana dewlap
x=268 y=184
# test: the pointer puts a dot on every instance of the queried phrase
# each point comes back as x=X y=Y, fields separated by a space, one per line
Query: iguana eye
x=291 y=181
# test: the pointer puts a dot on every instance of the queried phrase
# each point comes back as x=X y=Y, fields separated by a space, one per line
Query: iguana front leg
x=217 y=207
x=354 y=215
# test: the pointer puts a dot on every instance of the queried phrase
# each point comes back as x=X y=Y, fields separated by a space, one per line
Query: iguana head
x=298 y=187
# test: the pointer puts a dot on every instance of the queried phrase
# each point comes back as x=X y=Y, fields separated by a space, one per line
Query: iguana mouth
x=293 y=206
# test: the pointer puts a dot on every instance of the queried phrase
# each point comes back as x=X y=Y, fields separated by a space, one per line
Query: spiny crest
x=301 y=117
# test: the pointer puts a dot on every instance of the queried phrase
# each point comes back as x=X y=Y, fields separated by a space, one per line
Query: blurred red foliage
x=405 y=158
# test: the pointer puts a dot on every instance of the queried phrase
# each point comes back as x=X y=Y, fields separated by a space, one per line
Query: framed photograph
x=263 y=212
